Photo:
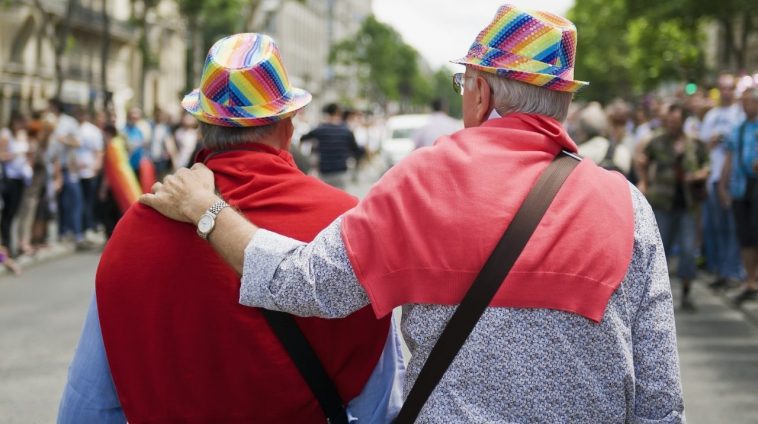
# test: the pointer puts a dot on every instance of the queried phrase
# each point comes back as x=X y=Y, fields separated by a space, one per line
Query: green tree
x=625 y=50
x=736 y=19
x=661 y=51
x=602 y=49
x=387 y=67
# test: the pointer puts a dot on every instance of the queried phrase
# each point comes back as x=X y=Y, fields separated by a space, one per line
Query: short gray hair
x=216 y=137
x=515 y=96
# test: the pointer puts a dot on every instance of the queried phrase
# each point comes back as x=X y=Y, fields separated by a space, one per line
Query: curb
x=55 y=252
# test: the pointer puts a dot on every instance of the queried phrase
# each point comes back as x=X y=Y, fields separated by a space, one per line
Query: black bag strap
x=286 y=330
x=486 y=284
x=307 y=363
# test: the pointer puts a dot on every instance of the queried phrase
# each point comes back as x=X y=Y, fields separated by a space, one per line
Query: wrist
x=199 y=205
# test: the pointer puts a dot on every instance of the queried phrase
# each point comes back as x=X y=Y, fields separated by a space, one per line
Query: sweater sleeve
x=315 y=279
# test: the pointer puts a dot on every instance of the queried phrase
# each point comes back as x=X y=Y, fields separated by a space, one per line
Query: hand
x=183 y=196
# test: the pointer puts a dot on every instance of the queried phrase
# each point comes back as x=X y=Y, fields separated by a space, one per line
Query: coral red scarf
x=424 y=232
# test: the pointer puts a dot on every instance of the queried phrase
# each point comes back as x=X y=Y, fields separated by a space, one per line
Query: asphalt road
x=41 y=314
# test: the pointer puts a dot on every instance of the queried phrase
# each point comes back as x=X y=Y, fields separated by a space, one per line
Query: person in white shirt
x=439 y=124
x=162 y=137
x=719 y=231
x=186 y=137
x=89 y=162
x=64 y=142
x=610 y=154
x=14 y=148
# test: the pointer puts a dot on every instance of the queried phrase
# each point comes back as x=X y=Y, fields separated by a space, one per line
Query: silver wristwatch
x=208 y=220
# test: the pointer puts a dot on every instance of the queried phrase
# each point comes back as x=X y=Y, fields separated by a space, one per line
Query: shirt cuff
x=263 y=255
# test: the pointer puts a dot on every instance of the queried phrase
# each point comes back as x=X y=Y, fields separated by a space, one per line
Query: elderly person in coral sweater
x=581 y=330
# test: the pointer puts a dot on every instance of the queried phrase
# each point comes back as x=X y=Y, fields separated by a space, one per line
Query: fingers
x=156 y=187
x=148 y=199
x=198 y=166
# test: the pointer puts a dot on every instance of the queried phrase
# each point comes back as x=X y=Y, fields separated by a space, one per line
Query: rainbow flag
x=121 y=177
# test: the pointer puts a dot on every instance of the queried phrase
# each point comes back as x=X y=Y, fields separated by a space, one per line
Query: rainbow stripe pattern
x=534 y=47
x=122 y=180
x=244 y=84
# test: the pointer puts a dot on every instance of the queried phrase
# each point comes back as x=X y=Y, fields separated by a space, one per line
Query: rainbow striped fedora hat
x=244 y=84
x=534 y=47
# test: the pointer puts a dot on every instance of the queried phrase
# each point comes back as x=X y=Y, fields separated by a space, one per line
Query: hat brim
x=253 y=116
x=548 y=81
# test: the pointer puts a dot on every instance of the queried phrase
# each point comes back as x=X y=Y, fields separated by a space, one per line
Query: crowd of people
x=54 y=166
x=693 y=155
x=674 y=148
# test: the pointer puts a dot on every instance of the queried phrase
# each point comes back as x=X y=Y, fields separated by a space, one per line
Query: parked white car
x=399 y=142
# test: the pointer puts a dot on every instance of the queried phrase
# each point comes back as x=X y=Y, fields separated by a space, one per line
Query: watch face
x=205 y=224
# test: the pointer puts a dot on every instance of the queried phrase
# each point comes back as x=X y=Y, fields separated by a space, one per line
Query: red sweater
x=181 y=348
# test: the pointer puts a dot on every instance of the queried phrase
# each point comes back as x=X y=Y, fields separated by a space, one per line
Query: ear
x=484 y=100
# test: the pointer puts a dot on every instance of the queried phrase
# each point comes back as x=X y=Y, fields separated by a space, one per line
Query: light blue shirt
x=740 y=171
x=719 y=121
x=90 y=395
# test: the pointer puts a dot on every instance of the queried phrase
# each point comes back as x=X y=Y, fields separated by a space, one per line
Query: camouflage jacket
x=664 y=169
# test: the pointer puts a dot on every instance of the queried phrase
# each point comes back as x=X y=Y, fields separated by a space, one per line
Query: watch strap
x=217 y=207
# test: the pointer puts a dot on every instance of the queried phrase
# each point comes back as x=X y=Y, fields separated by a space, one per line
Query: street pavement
x=41 y=314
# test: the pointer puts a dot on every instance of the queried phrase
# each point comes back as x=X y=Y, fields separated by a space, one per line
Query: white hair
x=512 y=96
x=216 y=137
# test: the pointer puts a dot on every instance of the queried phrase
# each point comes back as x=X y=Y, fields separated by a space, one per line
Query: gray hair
x=515 y=96
x=216 y=137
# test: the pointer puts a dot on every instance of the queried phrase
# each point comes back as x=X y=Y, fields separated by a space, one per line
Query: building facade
x=30 y=31
x=305 y=32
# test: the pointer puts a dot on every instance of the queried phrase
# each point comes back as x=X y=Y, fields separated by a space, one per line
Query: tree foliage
x=627 y=47
x=387 y=67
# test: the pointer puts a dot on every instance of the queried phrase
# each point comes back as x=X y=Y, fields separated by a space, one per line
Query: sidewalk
x=56 y=250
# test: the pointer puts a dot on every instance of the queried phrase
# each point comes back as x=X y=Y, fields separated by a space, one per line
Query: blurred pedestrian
x=14 y=153
x=719 y=228
x=89 y=161
x=646 y=121
x=137 y=137
x=739 y=189
x=211 y=352
x=38 y=131
x=596 y=146
x=65 y=140
x=334 y=144
x=674 y=166
x=162 y=138
x=583 y=328
x=439 y=124
x=186 y=138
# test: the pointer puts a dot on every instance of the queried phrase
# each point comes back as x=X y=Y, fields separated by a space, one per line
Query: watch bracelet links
x=217 y=207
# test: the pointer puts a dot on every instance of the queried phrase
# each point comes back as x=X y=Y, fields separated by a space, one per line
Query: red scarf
x=424 y=232
x=180 y=347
